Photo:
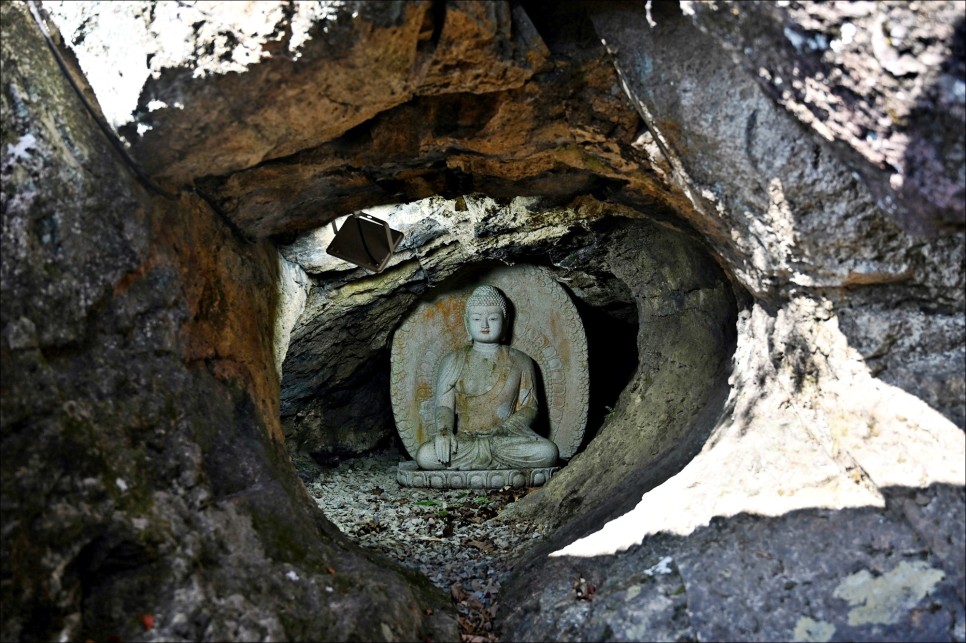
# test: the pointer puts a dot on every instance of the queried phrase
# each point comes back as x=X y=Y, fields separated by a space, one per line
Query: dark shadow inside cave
x=612 y=357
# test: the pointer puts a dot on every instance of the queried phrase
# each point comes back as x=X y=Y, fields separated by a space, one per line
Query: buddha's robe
x=490 y=402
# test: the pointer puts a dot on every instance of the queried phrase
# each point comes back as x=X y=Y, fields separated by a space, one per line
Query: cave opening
x=659 y=316
x=335 y=375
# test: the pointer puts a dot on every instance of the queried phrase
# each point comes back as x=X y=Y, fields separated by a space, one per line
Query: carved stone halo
x=544 y=324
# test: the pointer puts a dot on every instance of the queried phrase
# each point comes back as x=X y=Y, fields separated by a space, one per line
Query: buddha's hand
x=445 y=444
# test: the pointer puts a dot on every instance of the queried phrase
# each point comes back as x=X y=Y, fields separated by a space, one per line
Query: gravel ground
x=454 y=536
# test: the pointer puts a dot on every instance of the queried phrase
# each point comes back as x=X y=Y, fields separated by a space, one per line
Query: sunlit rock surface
x=883 y=83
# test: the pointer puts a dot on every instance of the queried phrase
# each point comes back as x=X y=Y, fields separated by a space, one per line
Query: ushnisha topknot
x=487 y=296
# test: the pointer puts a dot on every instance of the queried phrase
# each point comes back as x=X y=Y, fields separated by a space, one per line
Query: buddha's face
x=485 y=324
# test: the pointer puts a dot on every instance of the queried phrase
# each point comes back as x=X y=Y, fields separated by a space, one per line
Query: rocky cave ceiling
x=375 y=104
x=482 y=105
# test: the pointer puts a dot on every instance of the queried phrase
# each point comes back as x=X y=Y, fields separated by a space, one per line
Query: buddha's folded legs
x=516 y=452
x=495 y=452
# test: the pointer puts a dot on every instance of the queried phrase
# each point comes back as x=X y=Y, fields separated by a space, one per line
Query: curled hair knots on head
x=487 y=296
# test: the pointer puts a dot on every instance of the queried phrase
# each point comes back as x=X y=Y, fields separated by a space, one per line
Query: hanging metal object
x=365 y=241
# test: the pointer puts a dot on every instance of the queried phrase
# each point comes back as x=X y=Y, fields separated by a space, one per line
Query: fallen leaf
x=147 y=620
x=331 y=570
x=457 y=592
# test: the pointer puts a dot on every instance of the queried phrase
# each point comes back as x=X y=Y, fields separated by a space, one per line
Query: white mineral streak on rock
x=126 y=43
x=21 y=151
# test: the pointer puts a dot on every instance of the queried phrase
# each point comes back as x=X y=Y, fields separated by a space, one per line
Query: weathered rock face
x=883 y=83
x=143 y=468
x=787 y=214
x=751 y=578
x=781 y=264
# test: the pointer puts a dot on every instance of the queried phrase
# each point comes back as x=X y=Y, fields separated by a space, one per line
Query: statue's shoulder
x=454 y=359
x=458 y=354
x=519 y=357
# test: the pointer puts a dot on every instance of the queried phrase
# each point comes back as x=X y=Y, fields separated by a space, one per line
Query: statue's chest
x=482 y=375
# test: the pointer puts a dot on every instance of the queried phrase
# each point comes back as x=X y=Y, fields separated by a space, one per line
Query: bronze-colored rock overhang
x=557 y=136
x=371 y=58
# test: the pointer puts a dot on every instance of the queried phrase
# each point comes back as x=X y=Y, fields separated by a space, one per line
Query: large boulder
x=811 y=420
x=755 y=206
x=146 y=489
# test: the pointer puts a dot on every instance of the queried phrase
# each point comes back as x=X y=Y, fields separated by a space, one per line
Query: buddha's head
x=486 y=315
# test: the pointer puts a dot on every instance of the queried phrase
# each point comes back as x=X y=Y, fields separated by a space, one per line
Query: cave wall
x=787 y=210
x=143 y=468
x=686 y=339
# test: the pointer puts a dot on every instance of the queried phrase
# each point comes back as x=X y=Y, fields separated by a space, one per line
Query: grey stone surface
x=677 y=394
x=862 y=574
x=293 y=287
x=896 y=107
x=632 y=596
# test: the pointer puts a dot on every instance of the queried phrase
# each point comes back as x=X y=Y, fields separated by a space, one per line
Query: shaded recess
x=351 y=395
x=660 y=319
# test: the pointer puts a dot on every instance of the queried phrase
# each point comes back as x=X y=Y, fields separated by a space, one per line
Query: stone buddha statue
x=467 y=393
x=486 y=399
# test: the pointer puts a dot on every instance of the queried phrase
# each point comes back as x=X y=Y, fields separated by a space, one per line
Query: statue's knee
x=426 y=457
x=549 y=453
